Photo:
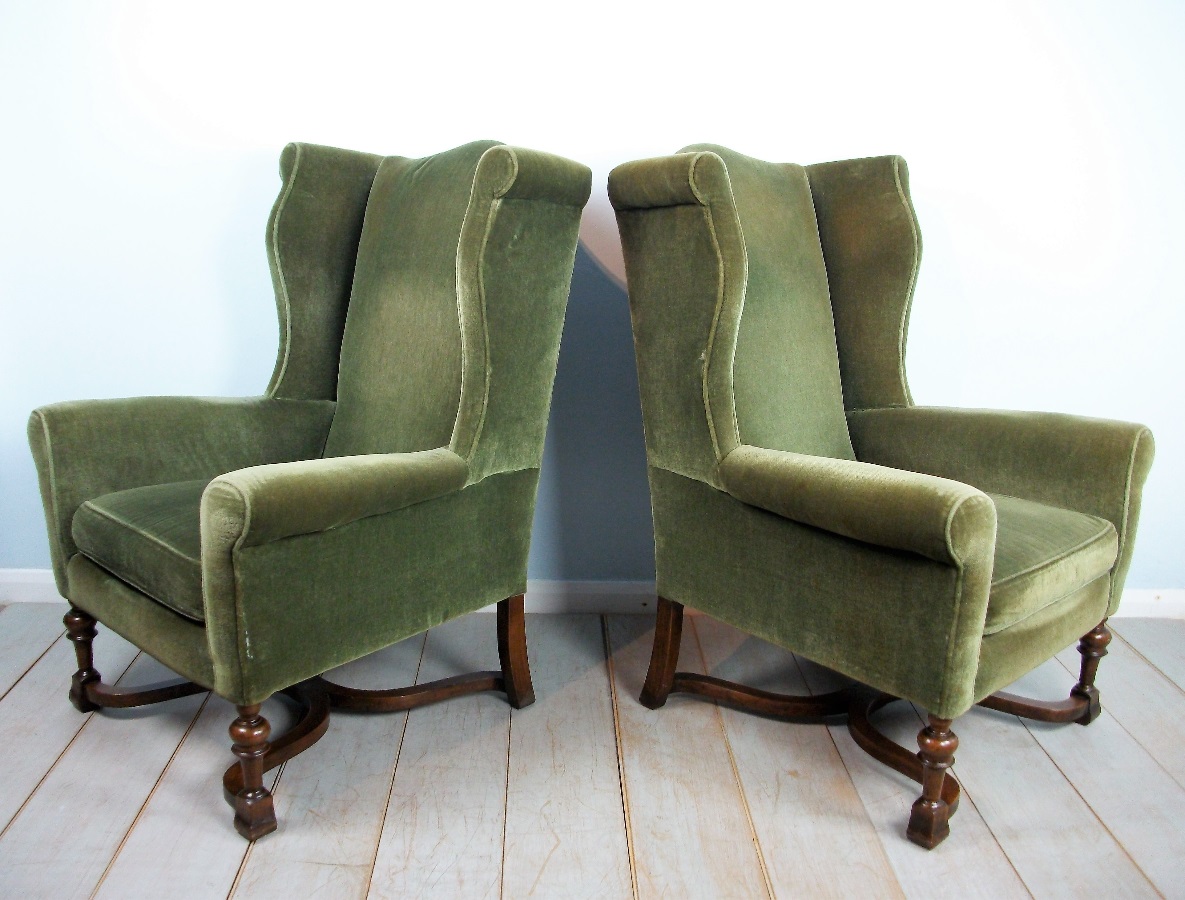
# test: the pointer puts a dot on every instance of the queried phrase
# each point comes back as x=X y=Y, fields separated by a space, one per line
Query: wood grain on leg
x=254 y=812
x=930 y=817
x=80 y=628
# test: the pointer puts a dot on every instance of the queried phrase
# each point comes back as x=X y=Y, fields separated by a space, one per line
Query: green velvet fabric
x=1092 y=466
x=399 y=385
x=289 y=609
x=674 y=286
x=326 y=529
x=868 y=612
x=85 y=449
x=784 y=399
x=1043 y=554
x=149 y=536
x=934 y=517
x=926 y=553
x=1008 y=654
x=870 y=238
x=181 y=644
x=312 y=245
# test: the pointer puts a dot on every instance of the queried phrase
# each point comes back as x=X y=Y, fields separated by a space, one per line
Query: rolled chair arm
x=940 y=519
x=261 y=504
x=697 y=177
x=84 y=449
x=535 y=175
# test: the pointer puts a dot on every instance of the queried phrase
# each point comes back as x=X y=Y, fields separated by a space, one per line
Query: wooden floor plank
x=445 y=824
x=68 y=832
x=1037 y=816
x=970 y=863
x=332 y=798
x=691 y=832
x=1108 y=768
x=37 y=722
x=184 y=837
x=1141 y=699
x=26 y=631
x=1160 y=641
x=565 y=825
x=814 y=833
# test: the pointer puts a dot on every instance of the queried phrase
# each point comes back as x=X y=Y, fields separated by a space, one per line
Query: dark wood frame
x=930 y=815
x=250 y=732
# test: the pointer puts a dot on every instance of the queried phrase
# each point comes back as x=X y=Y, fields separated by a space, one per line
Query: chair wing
x=312 y=244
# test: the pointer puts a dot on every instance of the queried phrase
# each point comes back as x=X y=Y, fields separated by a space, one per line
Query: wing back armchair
x=383 y=484
x=935 y=555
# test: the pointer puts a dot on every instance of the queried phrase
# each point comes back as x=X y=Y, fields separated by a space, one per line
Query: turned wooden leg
x=80 y=628
x=1093 y=647
x=512 y=652
x=929 y=820
x=668 y=630
x=254 y=814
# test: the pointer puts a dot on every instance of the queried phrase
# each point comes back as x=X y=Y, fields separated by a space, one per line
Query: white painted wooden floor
x=586 y=793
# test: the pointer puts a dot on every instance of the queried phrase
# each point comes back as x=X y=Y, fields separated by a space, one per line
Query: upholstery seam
x=1065 y=554
x=89 y=504
x=1127 y=492
x=903 y=325
x=722 y=293
x=53 y=487
x=280 y=207
x=1056 y=600
x=944 y=693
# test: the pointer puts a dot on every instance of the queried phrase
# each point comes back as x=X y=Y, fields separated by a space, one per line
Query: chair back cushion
x=399 y=381
x=785 y=368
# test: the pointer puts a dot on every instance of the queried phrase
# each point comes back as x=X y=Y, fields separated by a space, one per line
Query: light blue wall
x=1044 y=142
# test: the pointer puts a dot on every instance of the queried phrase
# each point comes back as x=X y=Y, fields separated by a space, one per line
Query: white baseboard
x=37 y=586
x=1140 y=603
x=28 y=586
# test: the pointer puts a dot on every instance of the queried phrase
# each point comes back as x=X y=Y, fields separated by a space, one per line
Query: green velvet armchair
x=383 y=484
x=935 y=555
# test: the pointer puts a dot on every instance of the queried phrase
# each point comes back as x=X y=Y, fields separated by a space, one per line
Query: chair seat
x=1043 y=553
x=149 y=537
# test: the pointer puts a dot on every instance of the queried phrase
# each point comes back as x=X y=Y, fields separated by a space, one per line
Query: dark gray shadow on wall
x=594 y=497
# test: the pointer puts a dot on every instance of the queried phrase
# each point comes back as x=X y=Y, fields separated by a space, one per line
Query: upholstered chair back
x=873 y=247
x=312 y=244
x=773 y=337
x=407 y=288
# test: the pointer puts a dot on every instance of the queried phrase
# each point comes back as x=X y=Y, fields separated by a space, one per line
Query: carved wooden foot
x=80 y=628
x=668 y=631
x=1093 y=647
x=930 y=816
x=254 y=814
x=512 y=652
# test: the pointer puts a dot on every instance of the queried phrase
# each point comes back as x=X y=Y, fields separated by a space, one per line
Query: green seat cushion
x=1043 y=554
x=150 y=538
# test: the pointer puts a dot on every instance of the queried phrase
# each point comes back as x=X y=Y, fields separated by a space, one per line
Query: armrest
x=1094 y=466
x=943 y=520
x=87 y=448
x=261 y=504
